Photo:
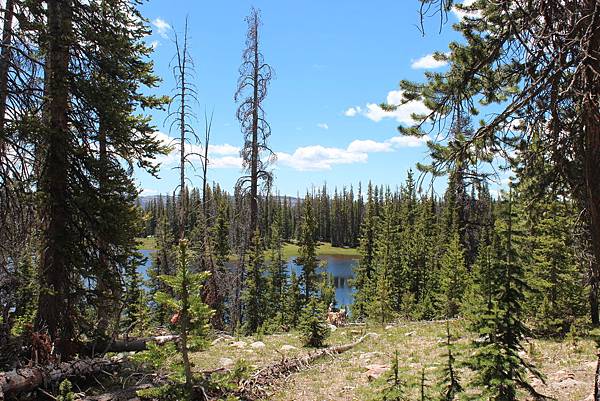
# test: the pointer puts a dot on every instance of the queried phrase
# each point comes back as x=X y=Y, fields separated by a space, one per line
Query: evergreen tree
x=385 y=285
x=255 y=293
x=277 y=274
x=313 y=326
x=450 y=383
x=499 y=369
x=191 y=314
x=294 y=300
x=364 y=271
x=556 y=279
x=453 y=277
x=307 y=252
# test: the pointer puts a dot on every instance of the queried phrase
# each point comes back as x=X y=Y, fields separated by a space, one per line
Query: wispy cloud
x=323 y=126
x=352 y=111
x=162 y=27
x=427 y=62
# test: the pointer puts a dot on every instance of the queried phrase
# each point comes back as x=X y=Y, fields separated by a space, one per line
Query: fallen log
x=28 y=379
x=254 y=387
x=128 y=344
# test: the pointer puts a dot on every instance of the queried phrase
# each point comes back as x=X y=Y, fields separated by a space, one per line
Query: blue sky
x=334 y=62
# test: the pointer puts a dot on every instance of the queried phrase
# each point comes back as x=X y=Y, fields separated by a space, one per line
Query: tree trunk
x=254 y=159
x=28 y=379
x=597 y=381
x=5 y=58
x=591 y=119
x=54 y=306
x=127 y=344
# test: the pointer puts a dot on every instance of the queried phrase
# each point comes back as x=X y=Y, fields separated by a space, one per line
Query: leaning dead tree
x=255 y=76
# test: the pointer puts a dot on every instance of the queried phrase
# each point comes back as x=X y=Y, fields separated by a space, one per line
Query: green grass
x=146 y=243
x=289 y=249
x=324 y=249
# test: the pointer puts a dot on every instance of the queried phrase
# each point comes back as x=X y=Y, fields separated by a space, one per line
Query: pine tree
x=453 y=277
x=294 y=300
x=364 y=271
x=254 y=296
x=313 y=326
x=556 y=279
x=191 y=314
x=277 y=274
x=307 y=252
x=499 y=369
x=450 y=383
x=380 y=307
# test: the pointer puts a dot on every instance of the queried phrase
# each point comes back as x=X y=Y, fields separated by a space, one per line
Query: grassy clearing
x=568 y=367
x=324 y=249
x=148 y=244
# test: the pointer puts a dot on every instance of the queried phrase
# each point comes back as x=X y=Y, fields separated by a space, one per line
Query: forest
x=362 y=291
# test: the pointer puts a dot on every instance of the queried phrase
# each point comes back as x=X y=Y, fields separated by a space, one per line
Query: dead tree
x=182 y=116
x=255 y=76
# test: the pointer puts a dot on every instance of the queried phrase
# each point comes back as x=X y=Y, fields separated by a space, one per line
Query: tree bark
x=54 y=306
x=127 y=345
x=591 y=117
x=5 y=59
x=28 y=379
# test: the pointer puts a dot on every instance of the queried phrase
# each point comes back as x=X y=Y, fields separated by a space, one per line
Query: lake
x=341 y=267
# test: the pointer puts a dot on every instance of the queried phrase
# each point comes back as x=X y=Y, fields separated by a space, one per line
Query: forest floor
x=568 y=366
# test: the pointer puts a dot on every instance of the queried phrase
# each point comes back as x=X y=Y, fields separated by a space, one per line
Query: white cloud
x=403 y=141
x=427 y=61
x=219 y=156
x=369 y=146
x=318 y=158
x=162 y=27
x=402 y=113
x=460 y=14
x=352 y=111
x=323 y=126
x=154 y=44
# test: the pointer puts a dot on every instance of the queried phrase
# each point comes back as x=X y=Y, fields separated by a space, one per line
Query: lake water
x=341 y=267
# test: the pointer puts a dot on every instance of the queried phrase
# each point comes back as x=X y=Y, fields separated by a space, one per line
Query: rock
x=410 y=333
x=218 y=340
x=257 y=344
x=287 y=347
x=238 y=344
x=374 y=371
x=589 y=398
x=226 y=362
x=389 y=327
x=332 y=327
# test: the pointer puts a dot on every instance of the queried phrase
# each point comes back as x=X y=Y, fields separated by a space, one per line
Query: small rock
x=374 y=371
x=410 y=333
x=287 y=347
x=257 y=344
x=238 y=344
x=332 y=327
x=226 y=362
x=217 y=340
x=389 y=327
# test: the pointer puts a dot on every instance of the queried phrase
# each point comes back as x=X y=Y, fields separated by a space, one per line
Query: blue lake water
x=339 y=266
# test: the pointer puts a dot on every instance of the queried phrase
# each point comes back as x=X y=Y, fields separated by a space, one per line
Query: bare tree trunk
x=254 y=161
x=591 y=115
x=5 y=58
x=54 y=308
